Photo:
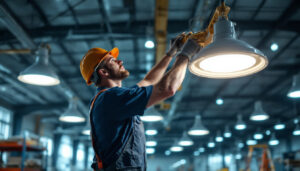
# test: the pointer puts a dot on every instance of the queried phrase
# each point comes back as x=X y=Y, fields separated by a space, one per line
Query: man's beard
x=118 y=75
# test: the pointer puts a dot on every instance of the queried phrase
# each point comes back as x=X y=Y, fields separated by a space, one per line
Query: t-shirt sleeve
x=127 y=102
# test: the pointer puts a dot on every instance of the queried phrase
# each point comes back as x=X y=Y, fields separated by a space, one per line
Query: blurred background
x=209 y=125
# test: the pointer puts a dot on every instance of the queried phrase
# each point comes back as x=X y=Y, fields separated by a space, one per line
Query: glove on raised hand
x=176 y=45
x=190 y=48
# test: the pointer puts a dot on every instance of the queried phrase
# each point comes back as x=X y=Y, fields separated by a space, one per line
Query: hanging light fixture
x=258 y=114
x=219 y=137
x=39 y=72
x=240 y=144
x=151 y=115
x=198 y=128
x=185 y=140
x=150 y=142
x=196 y=153
x=258 y=135
x=273 y=140
x=295 y=89
x=167 y=152
x=87 y=129
x=226 y=56
x=279 y=126
x=227 y=133
x=240 y=124
x=297 y=130
x=211 y=143
x=150 y=150
x=251 y=141
x=201 y=149
x=72 y=115
x=175 y=147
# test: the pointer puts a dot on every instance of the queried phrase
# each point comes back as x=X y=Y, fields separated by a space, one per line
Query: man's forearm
x=157 y=72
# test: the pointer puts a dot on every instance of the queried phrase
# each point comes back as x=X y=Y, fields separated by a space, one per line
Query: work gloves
x=176 y=44
x=190 y=48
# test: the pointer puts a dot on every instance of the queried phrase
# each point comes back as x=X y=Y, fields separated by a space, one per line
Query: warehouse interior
x=34 y=135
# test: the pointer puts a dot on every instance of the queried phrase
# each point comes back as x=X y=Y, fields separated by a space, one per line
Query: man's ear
x=103 y=72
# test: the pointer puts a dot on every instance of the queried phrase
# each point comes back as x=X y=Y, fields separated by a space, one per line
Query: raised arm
x=157 y=72
x=171 y=81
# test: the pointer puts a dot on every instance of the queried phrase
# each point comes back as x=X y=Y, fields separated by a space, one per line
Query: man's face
x=115 y=68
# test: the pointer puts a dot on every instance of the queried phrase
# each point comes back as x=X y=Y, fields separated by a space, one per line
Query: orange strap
x=99 y=161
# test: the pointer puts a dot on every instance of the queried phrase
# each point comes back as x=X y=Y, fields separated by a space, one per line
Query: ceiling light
x=251 y=141
x=219 y=138
x=227 y=133
x=258 y=135
x=297 y=130
x=72 y=115
x=149 y=44
x=295 y=89
x=167 y=152
x=151 y=143
x=259 y=114
x=185 y=140
x=211 y=143
x=150 y=150
x=176 y=148
x=86 y=130
x=151 y=132
x=201 y=149
x=39 y=72
x=268 y=132
x=240 y=145
x=273 y=140
x=226 y=56
x=279 y=126
x=151 y=115
x=196 y=153
x=274 y=47
x=240 y=124
x=219 y=101
x=198 y=128
x=238 y=156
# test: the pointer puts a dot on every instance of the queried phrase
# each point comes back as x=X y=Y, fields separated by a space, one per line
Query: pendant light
x=151 y=115
x=258 y=135
x=273 y=141
x=294 y=92
x=251 y=141
x=226 y=56
x=227 y=133
x=185 y=140
x=201 y=149
x=279 y=126
x=150 y=142
x=198 y=128
x=240 y=124
x=39 y=73
x=297 y=130
x=175 y=147
x=219 y=137
x=258 y=114
x=87 y=129
x=211 y=143
x=72 y=115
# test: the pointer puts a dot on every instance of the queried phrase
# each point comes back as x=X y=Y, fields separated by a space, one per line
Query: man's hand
x=190 y=48
x=176 y=44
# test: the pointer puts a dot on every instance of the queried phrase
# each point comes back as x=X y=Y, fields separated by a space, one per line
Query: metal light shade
x=86 y=130
x=297 y=130
x=259 y=114
x=72 y=115
x=39 y=73
x=185 y=140
x=175 y=147
x=227 y=133
x=198 y=128
x=151 y=115
x=273 y=140
x=226 y=56
x=295 y=89
x=258 y=135
x=219 y=137
x=240 y=124
x=211 y=143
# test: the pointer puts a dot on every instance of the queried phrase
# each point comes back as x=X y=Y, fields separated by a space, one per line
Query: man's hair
x=96 y=78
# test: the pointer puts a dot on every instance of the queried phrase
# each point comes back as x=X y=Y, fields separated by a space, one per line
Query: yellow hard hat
x=91 y=59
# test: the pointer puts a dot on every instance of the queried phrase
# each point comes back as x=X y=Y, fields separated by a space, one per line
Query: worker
x=117 y=131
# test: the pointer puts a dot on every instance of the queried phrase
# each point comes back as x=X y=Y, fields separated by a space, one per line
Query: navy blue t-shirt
x=113 y=113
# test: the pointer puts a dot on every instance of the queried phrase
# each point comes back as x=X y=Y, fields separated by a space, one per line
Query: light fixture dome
x=39 y=72
x=87 y=129
x=151 y=115
x=72 y=115
x=226 y=56
x=273 y=140
x=185 y=140
x=295 y=89
x=240 y=124
x=258 y=114
x=198 y=128
x=227 y=132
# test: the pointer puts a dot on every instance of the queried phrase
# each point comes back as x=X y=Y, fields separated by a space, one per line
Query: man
x=116 y=129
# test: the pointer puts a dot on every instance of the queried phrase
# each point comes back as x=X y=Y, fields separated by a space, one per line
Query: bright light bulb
x=273 y=142
x=201 y=149
x=251 y=142
x=149 y=44
x=167 y=153
x=196 y=153
x=279 y=126
x=227 y=63
x=211 y=144
x=219 y=139
x=274 y=47
x=186 y=143
x=268 y=132
x=176 y=149
x=36 y=79
x=219 y=101
x=258 y=136
x=151 y=118
x=227 y=134
x=240 y=127
x=296 y=132
x=86 y=132
x=72 y=119
x=198 y=132
x=150 y=150
x=240 y=145
x=151 y=132
x=151 y=143
x=261 y=117
x=294 y=94
x=238 y=156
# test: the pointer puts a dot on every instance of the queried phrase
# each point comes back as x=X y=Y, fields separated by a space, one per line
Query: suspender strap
x=99 y=161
